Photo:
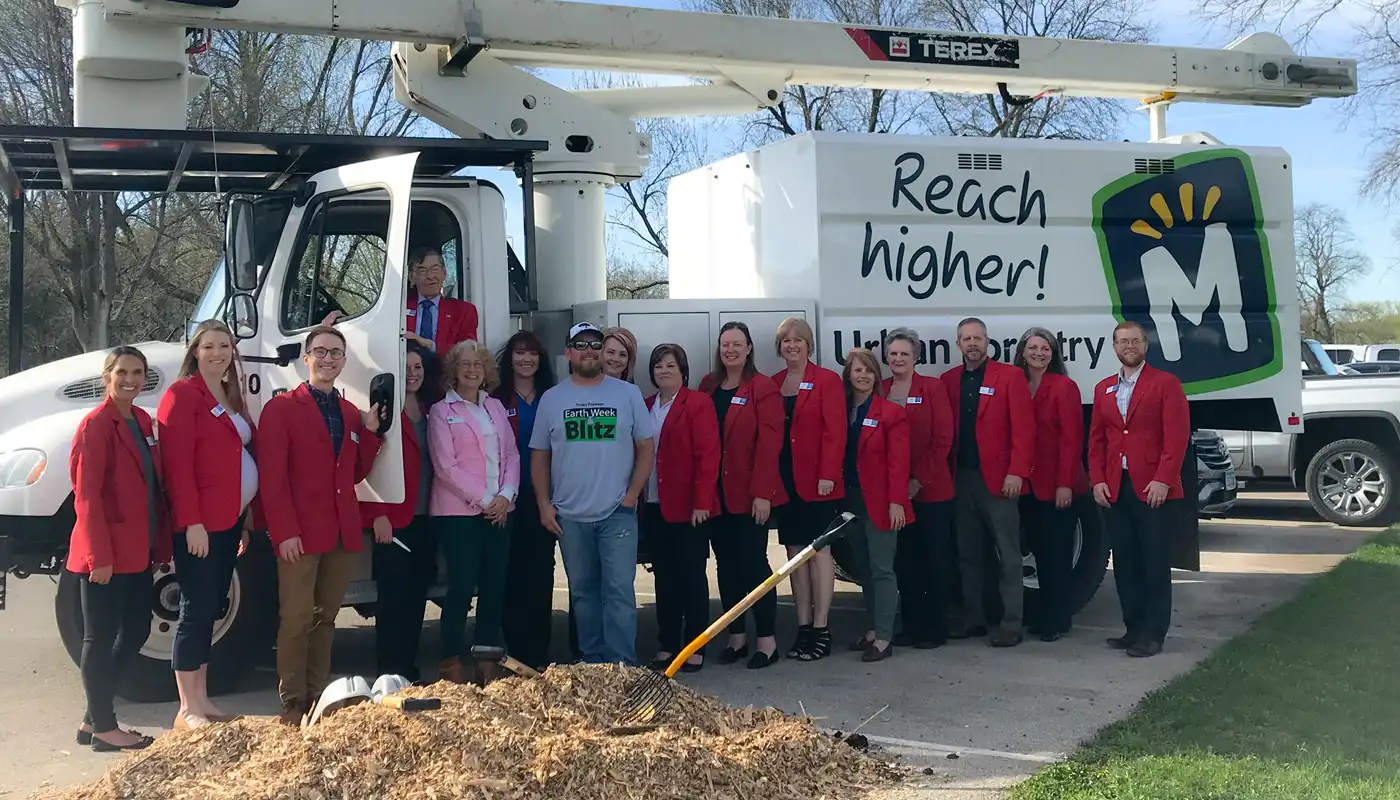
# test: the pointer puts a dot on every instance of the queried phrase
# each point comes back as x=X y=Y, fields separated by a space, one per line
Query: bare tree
x=1374 y=27
x=1327 y=262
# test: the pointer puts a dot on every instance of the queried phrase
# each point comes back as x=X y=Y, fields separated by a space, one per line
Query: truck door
x=345 y=250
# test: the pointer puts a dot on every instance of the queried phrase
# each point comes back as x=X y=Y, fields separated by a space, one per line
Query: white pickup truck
x=1346 y=457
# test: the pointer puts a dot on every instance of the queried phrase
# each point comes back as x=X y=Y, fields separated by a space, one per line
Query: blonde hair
x=799 y=327
x=453 y=361
x=863 y=356
x=628 y=340
x=233 y=375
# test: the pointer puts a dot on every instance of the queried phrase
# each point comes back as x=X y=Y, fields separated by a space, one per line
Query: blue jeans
x=600 y=559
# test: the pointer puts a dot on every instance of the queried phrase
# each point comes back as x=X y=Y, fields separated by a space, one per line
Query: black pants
x=1142 y=568
x=529 y=615
x=923 y=567
x=204 y=586
x=402 y=580
x=116 y=623
x=477 y=555
x=1051 y=534
x=680 y=553
x=741 y=563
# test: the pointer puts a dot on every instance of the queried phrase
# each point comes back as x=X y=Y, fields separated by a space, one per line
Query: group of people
x=501 y=462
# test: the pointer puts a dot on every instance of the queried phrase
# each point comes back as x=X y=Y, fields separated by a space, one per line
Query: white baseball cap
x=582 y=328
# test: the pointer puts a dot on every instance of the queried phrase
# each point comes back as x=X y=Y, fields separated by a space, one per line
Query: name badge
x=913 y=401
x=454 y=420
x=870 y=423
x=1111 y=390
x=738 y=401
x=217 y=410
x=510 y=412
x=354 y=437
x=804 y=386
x=150 y=441
x=987 y=390
x=413 y=312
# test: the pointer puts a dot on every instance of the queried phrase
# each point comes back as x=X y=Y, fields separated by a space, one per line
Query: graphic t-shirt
x=590 y=431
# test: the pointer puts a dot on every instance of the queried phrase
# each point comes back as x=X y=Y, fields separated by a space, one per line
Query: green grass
x=1305 y=705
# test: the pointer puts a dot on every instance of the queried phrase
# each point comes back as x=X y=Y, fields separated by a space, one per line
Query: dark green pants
x=477 y=555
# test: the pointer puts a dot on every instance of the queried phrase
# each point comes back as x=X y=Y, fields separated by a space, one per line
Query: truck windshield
x=211 y=302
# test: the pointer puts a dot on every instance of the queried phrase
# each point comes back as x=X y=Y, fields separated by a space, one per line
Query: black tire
x=1090 y=565
x=1347 y=460
x=240 y=641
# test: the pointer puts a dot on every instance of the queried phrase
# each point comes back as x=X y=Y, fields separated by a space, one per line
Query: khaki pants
x=310 y=592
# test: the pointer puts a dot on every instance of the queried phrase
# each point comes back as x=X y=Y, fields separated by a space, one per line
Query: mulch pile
x=516 y=739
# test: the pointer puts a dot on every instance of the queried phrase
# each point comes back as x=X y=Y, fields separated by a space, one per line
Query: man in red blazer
x=433 y=321
x=313 y=447
x=993 y=448
x=1138 y=434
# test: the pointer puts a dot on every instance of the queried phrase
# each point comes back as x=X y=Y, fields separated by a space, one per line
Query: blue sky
x=1329 y=150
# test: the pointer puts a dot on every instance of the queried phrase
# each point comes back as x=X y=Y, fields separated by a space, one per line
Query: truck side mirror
x=240 y=254
x=243 y=316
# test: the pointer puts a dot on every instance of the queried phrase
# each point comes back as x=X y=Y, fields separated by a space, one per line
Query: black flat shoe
x=1050 y=636
x=873 y=653
x=761 y=660
x=84 y=738
x=929 y=644
x=1144 y=649
x=659 y=664
x=1120 y=642
x=688 y=667
x=730 y=655
x=975 y=632
x=99 y=746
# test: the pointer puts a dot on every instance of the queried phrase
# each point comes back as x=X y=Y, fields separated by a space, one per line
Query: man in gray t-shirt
x=592 y=451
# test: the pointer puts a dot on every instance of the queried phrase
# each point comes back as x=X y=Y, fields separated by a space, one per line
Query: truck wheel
x=242 y=632
x=1352 y=482
x=1089 y=562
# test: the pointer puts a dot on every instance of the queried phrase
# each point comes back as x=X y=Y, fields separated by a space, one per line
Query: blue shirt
x=525 y=427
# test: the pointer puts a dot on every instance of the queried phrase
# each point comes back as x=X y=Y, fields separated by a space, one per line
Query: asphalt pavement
x=982 y=718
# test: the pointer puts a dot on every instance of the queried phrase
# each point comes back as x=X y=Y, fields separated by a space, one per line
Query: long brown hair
x=233 y=375
x=719 y=371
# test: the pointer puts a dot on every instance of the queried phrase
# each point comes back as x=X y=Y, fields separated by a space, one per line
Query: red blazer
x=818 y=431
x=687 y=457
x=882 y=459
x=1059 y=438
x=931 y=426
x=752 y=439
x=1005 y=422
x=1154 y=436
x=202 y=455
x=109 y=496
x=400 y=514
x=306 y=490
x=456 y=321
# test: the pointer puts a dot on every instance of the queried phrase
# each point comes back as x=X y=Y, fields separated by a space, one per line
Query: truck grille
x=1211 y=450
x=92 y=389
x=1154 y=166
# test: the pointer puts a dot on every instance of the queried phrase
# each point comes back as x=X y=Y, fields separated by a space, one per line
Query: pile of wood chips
x=536 y=739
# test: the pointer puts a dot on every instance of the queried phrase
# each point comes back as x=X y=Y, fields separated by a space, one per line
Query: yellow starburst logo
x=1186 y=194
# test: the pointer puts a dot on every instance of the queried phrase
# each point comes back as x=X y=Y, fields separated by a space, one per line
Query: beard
x=588 y=369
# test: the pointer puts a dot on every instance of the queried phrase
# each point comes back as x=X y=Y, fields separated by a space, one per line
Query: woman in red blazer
x=121 y=530
x=923 y=559
x=682 y=495
x=1057 y=476
x=814 y=439
x=211 y=480
x=404 y=569
x=876 y=473
x=750 y=418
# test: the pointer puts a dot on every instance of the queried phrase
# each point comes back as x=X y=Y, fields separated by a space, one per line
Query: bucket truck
x=856 y=234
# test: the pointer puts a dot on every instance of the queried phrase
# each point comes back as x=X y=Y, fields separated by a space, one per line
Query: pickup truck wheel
x=1352 y=482
x=242 y=631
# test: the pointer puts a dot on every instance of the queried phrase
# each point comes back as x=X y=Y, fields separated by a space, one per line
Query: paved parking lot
x=1002 y=713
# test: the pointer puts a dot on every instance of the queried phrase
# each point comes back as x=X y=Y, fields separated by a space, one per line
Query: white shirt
x=1124 y=395
x=659 y=410
x=248 y=481
x=490 y=444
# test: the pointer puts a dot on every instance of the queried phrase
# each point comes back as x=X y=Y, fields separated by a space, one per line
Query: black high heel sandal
x=802 y=643
x=820 y=646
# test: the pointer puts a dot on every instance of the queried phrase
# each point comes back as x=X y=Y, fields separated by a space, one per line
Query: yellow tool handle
x=753 y=596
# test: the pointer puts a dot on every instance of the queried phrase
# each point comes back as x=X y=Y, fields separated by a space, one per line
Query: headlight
x=21 y=468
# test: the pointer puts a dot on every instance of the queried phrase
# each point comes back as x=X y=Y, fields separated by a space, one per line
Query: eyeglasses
x=334 y=353
x=581 y=346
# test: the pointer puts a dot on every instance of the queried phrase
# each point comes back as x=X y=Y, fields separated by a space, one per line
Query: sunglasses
x=581 y=346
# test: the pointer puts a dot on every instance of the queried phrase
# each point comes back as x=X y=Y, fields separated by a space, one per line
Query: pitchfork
x=651 y=693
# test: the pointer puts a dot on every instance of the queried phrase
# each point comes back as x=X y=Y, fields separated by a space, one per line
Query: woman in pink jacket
x=476 y=475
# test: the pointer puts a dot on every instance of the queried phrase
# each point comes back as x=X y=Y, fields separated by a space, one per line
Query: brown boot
x=292 y=714
x=450 y=670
